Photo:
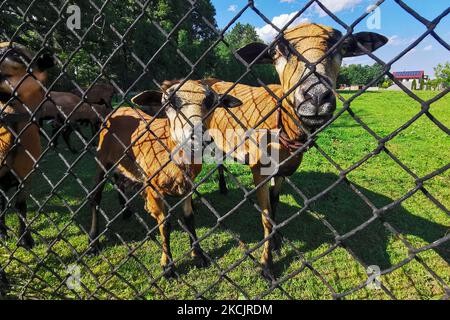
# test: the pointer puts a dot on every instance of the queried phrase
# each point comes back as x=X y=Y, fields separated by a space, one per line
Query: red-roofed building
x=407 y=77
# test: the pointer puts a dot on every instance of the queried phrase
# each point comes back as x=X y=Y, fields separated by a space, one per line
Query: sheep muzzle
x=315 y=102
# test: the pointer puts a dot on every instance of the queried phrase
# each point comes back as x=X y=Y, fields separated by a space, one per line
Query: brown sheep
x=63 y=105
x=148 y=152
x=101 y=93
x=17 y=162
x=305 y=109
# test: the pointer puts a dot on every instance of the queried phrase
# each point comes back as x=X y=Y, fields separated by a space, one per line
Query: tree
x=356 y=74
x=387 y=83
x=121 y=42
x=229 y=68
x=442 y=72
x=414 y=85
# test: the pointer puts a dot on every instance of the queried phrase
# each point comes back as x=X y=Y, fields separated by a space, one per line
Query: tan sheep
x=153 y=156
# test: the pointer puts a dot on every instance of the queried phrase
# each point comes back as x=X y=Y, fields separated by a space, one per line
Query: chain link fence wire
x=331 y=265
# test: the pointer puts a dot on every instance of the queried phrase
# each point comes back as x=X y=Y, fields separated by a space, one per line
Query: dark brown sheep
x=61 y=106
x=101 y=93
x=18 y=159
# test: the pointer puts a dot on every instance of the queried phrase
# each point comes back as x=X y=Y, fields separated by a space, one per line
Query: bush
x=387 y=83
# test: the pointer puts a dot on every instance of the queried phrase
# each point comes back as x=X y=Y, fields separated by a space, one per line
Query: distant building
x=407 y=77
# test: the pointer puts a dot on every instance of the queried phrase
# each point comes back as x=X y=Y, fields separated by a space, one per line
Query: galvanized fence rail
x=40 y=265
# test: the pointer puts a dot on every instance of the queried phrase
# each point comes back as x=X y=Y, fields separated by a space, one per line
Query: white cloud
x=288 y=1
x=268 y=33
x=428 y=48
x=232 y=8
x=336 y=6
x=396 y=40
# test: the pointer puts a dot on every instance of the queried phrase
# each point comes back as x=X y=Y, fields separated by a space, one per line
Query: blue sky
x=395 y=23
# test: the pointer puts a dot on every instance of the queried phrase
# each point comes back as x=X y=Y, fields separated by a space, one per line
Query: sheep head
x=313 y=98
x=186 y=106
x=22 y=74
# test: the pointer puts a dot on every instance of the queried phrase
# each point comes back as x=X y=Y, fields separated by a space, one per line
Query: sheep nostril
x=310 y=97
x=325 y=97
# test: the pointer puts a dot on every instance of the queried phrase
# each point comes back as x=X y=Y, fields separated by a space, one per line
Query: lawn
x=127 y=264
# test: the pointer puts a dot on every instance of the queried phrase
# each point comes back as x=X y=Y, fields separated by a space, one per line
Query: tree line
x=132 y=45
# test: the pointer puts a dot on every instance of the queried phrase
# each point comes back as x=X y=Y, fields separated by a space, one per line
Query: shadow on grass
x=341 y=207
x=357 y=91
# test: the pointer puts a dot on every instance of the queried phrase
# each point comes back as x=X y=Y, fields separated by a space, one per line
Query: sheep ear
x=150 y=101
x=369 y=40
x=251 y=52
x=230 y=101
x=45 y=62
x=147 y=98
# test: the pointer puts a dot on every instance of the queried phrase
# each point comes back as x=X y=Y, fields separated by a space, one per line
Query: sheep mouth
x=314 y=122
x=5 y=97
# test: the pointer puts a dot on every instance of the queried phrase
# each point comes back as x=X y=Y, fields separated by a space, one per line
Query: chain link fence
x=325 y=252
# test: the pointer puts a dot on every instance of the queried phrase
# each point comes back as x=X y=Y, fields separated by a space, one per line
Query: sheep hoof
x=26 y=242
x=201 y=261
x=169 y=272
x=93 y=251
x=4 y=284
x=267 y=274
x=276 y=243
x=223 y=189
x=3 y=234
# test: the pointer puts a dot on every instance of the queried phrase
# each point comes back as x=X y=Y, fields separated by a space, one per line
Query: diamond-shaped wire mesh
x=332 y=230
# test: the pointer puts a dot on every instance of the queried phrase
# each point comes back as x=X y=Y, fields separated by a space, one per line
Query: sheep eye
x=175 y=102
x=283 y=48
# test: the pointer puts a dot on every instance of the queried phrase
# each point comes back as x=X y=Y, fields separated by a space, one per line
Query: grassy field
x=423 y=147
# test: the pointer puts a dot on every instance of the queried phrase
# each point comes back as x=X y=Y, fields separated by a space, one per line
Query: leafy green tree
x=442 y=72
x=356 y=74
x=386 y=83
x=229 y=68
x=414 y=85
x=124 y=43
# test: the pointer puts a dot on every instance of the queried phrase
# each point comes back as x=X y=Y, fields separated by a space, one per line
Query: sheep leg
x=26 y=240
x=222 y=182
x=3 y=235
x=263 y=196
x=189 y=223
x=67 y=132
x=121 y=195
x=4 y=284
x=99 y=183
x=156 y=209
x=275 y=190
x=3 y=229
x=95 y=127
x=55 y=135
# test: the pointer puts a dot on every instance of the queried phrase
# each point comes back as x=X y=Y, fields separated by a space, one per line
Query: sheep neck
x=291 y=135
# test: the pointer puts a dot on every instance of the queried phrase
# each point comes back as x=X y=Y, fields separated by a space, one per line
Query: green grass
x=422 y=147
